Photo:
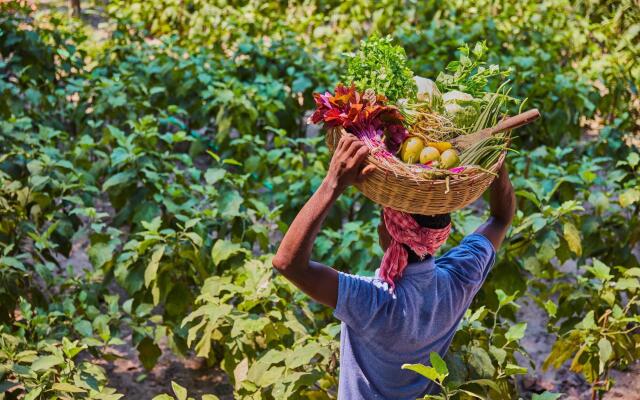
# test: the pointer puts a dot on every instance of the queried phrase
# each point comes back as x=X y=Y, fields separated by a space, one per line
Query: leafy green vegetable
x=470 y=74
x=382 y=66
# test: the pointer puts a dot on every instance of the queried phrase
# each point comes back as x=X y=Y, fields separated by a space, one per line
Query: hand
x=346 y=165
x=502 y=205
x=502 y=181
x=502 y=199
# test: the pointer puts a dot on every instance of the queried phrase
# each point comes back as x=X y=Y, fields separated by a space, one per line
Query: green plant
x=606 y=336
x=265 y=335
x=181 y=393
x=380 y=65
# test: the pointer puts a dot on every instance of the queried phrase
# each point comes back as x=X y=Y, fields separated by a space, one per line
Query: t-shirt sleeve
x=364 y=304
x=470 y=261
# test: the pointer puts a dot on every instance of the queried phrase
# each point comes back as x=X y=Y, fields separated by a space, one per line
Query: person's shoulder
x=469 y=261
x=474 y=244
x=478 y=240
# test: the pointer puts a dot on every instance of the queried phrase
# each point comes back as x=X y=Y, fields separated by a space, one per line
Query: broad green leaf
x=438 y=363
x=505 y=299
x=499 y=354
x=561 y=351
x=480 y=361
x=271 y=375
x=195 y=238
x=179 y=391
x=83 y=327
x=151 y=272
x=608 y=295
x=100 y=254
x=600 y=201
x=240 y=371
x=605 y=351
x=148 y=353
x=264 y=364
x=118 y=179
x=46 y=362
x=546 y=396
x=301 y=83
x=513 y=369
x=551 y=308
x=302 y=355
x=12 y=262
x=478 y=314
x=248 y=325
x=516 y=332
x=633 y=159
x=163 y=396
x=572 y=236
x=67 y=387
x=210 y=397
x=230 y=203
x=629 y=197
x=213 y=175
x=600 y=270
x=223 y=249
x=428 y=372
x=33 y=395
x=627 y=284
x=588 y=322
x=635 y=271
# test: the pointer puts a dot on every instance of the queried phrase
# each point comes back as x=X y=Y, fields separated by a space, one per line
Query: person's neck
x=413 y=257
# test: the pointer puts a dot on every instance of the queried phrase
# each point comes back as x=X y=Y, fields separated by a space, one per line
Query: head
x=426 y=221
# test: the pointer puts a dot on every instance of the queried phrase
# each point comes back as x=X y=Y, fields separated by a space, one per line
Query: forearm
x=293 y=258
x=502 y=207
x=502 y=200
x=294 y=254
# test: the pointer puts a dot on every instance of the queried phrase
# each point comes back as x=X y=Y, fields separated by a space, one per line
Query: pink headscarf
x=404 y=229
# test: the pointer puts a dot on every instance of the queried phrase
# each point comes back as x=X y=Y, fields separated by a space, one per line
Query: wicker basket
x=415 y=195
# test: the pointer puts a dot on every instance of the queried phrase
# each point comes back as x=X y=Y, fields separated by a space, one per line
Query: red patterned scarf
x=404 y=229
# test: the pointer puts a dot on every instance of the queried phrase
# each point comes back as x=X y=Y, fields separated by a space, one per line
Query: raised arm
x=502 y=204
x=292 y=259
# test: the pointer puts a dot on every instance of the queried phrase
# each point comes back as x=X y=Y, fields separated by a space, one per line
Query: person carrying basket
x=415 y=301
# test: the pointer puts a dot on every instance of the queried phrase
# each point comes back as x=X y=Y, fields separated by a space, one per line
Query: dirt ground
x=130 y=378
x=538 y=344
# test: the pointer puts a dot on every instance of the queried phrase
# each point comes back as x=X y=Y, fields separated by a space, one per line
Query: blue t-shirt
x=380 y=330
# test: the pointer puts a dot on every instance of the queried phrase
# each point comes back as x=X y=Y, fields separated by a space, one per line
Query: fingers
x=360 y=153
x=353 y=147
x=352 y=150
x=345 y=141
x=366 y=171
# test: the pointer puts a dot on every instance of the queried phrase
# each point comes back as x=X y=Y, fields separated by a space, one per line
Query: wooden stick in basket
x=464 y=141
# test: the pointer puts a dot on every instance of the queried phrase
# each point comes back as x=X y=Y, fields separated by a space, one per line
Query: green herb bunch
x=382 y=66
x=470 y=74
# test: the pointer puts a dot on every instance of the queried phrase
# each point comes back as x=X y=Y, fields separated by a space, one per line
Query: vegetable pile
x=410 y=122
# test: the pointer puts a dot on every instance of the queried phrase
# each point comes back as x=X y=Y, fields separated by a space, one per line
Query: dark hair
x=428 y=221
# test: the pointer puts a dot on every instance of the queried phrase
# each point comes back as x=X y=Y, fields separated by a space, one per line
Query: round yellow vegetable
x=441 y=146
x=429 y=154
x=410 y=150
x=449 y=159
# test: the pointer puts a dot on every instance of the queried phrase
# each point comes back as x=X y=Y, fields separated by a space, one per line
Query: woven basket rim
x=467 y=177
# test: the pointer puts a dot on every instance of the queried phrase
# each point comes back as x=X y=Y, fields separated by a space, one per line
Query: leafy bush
x=169 y=146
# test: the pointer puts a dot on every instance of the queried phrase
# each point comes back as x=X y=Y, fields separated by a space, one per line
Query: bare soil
x=129 y=377
x=538 y=344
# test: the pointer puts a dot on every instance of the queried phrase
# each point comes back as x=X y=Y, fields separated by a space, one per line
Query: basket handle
x=527 y=117
x=516 y=121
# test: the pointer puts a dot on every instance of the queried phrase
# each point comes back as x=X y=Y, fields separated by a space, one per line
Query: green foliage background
x=167 y=140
